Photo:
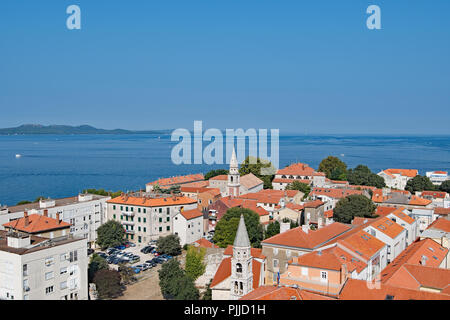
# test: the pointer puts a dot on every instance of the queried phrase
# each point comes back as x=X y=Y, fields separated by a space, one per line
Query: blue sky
x=300 y=66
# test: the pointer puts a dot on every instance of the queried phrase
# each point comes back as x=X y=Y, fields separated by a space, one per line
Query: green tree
x=419 y=183
x=174 y=282
x=126 y=274
x=96 y=263
x=334 y=168
x=362 y=175
x=110 y=234
x=445 y=186
x=353 y=206
x=261 y=168
x=207 y=295
x=300 y=186
x=108 y=284
x=215 y=173
x=273 y=228
x=169 y=245
x=23 y=202
x=294 y=224
x=226 y=228
x=194 y=266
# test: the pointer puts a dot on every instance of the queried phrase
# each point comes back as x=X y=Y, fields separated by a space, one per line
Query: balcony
x=130 y=223
x=128 y=213
x=26 y=288
x=129 y=231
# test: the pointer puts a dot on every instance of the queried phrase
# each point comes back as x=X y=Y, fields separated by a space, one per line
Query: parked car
x=111 y=250
x=90 y=251
x=120 y=247
x=136 y=270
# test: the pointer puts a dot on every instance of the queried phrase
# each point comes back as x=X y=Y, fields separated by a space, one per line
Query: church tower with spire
x=234 y=176
x=241 y=281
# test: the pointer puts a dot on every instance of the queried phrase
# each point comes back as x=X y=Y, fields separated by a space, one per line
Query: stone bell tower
x=234 y=176
x=241 y=281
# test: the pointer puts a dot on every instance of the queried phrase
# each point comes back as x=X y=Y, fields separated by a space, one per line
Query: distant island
x=63 y=129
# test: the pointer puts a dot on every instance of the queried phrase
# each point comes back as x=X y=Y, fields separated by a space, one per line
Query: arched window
x=238 y=268
x=231 y=178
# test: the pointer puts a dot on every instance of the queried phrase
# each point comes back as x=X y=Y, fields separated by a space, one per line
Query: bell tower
x=234 y=176
x=241 y=281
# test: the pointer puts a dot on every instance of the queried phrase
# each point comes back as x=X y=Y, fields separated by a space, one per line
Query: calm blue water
x=60 y=166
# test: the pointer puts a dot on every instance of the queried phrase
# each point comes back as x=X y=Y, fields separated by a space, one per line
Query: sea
x=59 y=166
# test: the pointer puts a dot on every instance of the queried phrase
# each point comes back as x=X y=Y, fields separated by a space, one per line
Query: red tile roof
x=399 y=213
x=404 y=172
x=36 y=224
x=440 y=224
x=416 y=277
x=334 y=192
x=220 y=177
x=203 y=243
x=313 y=204
x=152 y=202
x=414 y=254
x=297 y=169
x=359 y=290
x=177 y=180
x=297 y=238
x=363 y=244
x=387 y=226
x=191 y=214
x=434 y=194
x=282 y=293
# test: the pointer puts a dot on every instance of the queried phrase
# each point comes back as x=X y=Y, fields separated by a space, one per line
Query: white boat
x=18 y=155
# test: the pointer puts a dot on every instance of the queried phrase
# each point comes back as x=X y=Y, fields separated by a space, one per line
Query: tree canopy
x=363 y=176
x=96 y=263
x=334 y=168
x=445 y=186
x=353 y=206
x=195 y=266
x=215 y=173
x=300 y=186
x=420 y=183
x=226 y=228
x=110 y=234
x=169 y=245
x=175 y=284
x=261 y=168
x=108 y=283
x=103 y=192
x=273 y=228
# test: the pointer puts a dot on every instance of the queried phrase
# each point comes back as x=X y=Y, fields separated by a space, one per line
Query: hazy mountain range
x=63 y=129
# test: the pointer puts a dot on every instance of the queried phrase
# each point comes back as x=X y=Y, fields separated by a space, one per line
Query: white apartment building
x=424 y=217
x=397 y=178
x=37 y=268
x=85 y=213
x=188 y=226
x=401 y=217
x=147 y=216
x=391 y=233
x=437 y=177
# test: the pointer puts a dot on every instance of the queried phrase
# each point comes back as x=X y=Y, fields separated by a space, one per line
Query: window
x=139 y=210
x=160 y=229
x=145 y=211
x=49 y=261
x=73 y=256
x=63 y=285
x=49 y=290
x=145 y=220
x=49 y=275
x=275 y=263
x=63 y=270
x=275 y=251
x=168 y=219
x=168 y=228
x=139 y=219
x=139 y=228
x=323 y=275
x=145 y=229
x=114 y=207
x=25 y=270
x=160 y=219
x=62 y=257
x=238 y=268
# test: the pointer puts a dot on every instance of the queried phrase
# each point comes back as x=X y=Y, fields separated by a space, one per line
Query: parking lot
x=132 y=256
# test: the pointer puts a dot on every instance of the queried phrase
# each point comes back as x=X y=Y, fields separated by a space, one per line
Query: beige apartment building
x=147 y=216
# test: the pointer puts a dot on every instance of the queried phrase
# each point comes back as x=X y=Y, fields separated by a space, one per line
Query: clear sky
x=300 y=66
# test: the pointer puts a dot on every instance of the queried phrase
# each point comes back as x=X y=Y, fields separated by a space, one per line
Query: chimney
x=57 y=217
x=319 y=223
x=27 y=219
x=45 y=213
x=305 y=228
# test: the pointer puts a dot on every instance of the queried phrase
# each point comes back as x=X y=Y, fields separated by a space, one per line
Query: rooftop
x=177 y=180
x=36 y=223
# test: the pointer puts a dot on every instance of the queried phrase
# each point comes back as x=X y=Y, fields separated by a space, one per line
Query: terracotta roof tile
x=152 y=202
x=36 y=224
x=191 y=214
x=177 y=180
